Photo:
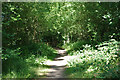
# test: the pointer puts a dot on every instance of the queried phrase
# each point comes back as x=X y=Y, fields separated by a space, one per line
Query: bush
x=101 y=63
x=72 y=47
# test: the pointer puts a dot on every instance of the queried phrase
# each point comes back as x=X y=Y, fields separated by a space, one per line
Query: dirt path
x=58 y=65
x=56 y=68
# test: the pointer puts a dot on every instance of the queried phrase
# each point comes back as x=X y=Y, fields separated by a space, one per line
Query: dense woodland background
x=32 y=30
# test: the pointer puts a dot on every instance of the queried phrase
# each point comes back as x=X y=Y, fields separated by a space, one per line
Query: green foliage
x=48 y=51
x=56 y=23
x=17 y=65
x=10 y=53
x=78 y=45
x=100 y=63
x=26 y=37
x=72 y=47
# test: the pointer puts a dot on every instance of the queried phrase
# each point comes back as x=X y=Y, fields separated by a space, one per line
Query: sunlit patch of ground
x=57 y=66
x=60 y=61
x=42 y=72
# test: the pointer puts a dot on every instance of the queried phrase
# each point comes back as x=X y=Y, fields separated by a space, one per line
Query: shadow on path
x=58 y=65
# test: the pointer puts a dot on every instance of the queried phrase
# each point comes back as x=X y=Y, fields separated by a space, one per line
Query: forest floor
x=58 y=65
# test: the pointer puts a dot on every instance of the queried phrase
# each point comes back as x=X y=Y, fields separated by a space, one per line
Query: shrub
x=102 y=63
x=72 y=47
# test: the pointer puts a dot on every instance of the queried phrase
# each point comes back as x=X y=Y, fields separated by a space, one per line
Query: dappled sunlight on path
x=58 y=65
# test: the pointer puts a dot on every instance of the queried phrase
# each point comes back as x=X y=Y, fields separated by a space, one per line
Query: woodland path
x=58 y=65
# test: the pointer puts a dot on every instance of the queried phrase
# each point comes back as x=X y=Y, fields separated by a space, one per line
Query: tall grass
x=22 y=63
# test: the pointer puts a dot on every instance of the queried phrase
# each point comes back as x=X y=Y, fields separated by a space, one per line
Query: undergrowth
x=102 y=62
x=21 y=63
x=73 y=47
